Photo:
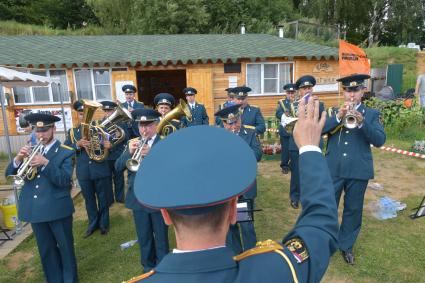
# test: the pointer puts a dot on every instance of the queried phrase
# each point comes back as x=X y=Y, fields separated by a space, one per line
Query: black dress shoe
x=103 y=231
x=294 y=204
x=348 y=257
x=87 y=234
x=285 y=170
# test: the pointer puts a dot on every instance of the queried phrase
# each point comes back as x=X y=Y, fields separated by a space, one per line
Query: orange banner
x=352 y=60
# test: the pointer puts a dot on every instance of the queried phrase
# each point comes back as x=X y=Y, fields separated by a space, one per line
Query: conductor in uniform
x=198 y=111
x=251 y=115
x=231 y=120
x=152 y=233
x=94 y=178
x=284 y=107
x=45 y=200
x=131 y=104
x=201 y=215
x=350 y=158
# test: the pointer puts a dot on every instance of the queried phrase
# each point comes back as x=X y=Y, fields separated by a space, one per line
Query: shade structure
x=13 y=78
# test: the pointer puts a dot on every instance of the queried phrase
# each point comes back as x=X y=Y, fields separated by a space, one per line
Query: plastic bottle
x=128 y=244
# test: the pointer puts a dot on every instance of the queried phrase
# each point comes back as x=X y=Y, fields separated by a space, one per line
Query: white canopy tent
x=14 y=78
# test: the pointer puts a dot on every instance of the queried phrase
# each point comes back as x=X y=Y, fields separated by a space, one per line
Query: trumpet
x=134 y=162
x=25 y=170
x=350 y=120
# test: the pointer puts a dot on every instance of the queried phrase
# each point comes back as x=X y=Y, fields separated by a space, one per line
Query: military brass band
x=104 y=149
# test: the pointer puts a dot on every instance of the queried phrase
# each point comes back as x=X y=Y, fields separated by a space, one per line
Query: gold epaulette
x=176 y=120
x=270 y=246
x=260 y=248
x=67 y=147
x=249 y=127
x=140 y=277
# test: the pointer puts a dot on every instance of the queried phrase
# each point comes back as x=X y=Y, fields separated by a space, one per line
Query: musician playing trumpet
x=350 y=158
x=152 y=233
x=45 y=200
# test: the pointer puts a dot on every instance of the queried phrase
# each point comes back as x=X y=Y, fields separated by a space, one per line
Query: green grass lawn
x=387 y=251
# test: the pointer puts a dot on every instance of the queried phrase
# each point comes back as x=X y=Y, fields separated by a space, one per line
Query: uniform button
x=344 y=154
x=35 y=196
x=346 y=143
x=347 y=132
x=36 y=186
x=38 y=176
x=89 y=162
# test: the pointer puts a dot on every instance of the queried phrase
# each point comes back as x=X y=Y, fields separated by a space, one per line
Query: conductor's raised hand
x=308 y=128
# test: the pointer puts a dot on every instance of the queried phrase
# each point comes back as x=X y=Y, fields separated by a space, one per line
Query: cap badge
x=143 y=118
x=40 y=124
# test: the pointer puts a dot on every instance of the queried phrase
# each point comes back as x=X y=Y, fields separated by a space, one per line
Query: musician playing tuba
x=114 y=124
x=94 y=177
x=283 y=111
x=45 y=200
x=152 y=233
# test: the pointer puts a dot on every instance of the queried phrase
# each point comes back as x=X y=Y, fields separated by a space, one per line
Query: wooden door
x=200 y=77
x=122 y=76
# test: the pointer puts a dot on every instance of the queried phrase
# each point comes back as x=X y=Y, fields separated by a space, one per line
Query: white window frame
x=93 y=86
x=280 y=91
x=49 y=87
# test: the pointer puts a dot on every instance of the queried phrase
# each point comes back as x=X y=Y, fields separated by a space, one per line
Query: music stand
x=420 y=210
x=245 y=211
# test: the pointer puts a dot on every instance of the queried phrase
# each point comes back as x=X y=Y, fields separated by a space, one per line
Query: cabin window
x=43 y=94
x=93 y=84
x=268 y=78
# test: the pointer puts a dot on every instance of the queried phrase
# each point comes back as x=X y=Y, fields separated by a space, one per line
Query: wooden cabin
x=95 y=67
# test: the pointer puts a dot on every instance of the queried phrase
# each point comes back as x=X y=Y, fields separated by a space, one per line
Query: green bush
x=399 y=121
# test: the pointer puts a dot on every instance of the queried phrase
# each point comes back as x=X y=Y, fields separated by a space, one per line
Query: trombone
x=134 y=162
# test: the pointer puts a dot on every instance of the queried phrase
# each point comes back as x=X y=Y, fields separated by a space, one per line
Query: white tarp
x=12 y=78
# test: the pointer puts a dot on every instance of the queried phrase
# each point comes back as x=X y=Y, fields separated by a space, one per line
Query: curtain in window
x=40 y=94
x=84 y=84
x=253 y=77
x=21 y=95
x=270 y=78
x=102 y=84
x=61 y=74
x=285 y=74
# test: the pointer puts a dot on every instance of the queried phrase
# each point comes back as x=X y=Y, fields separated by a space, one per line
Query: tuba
x=95 y=151
x=25 y=170
x=350 y=120
x=109 y=127
x=165 y=127
x=134 y=162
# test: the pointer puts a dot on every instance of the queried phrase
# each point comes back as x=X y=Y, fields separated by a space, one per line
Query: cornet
x=25 y=170
x=133 y=164
x=350 y=120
